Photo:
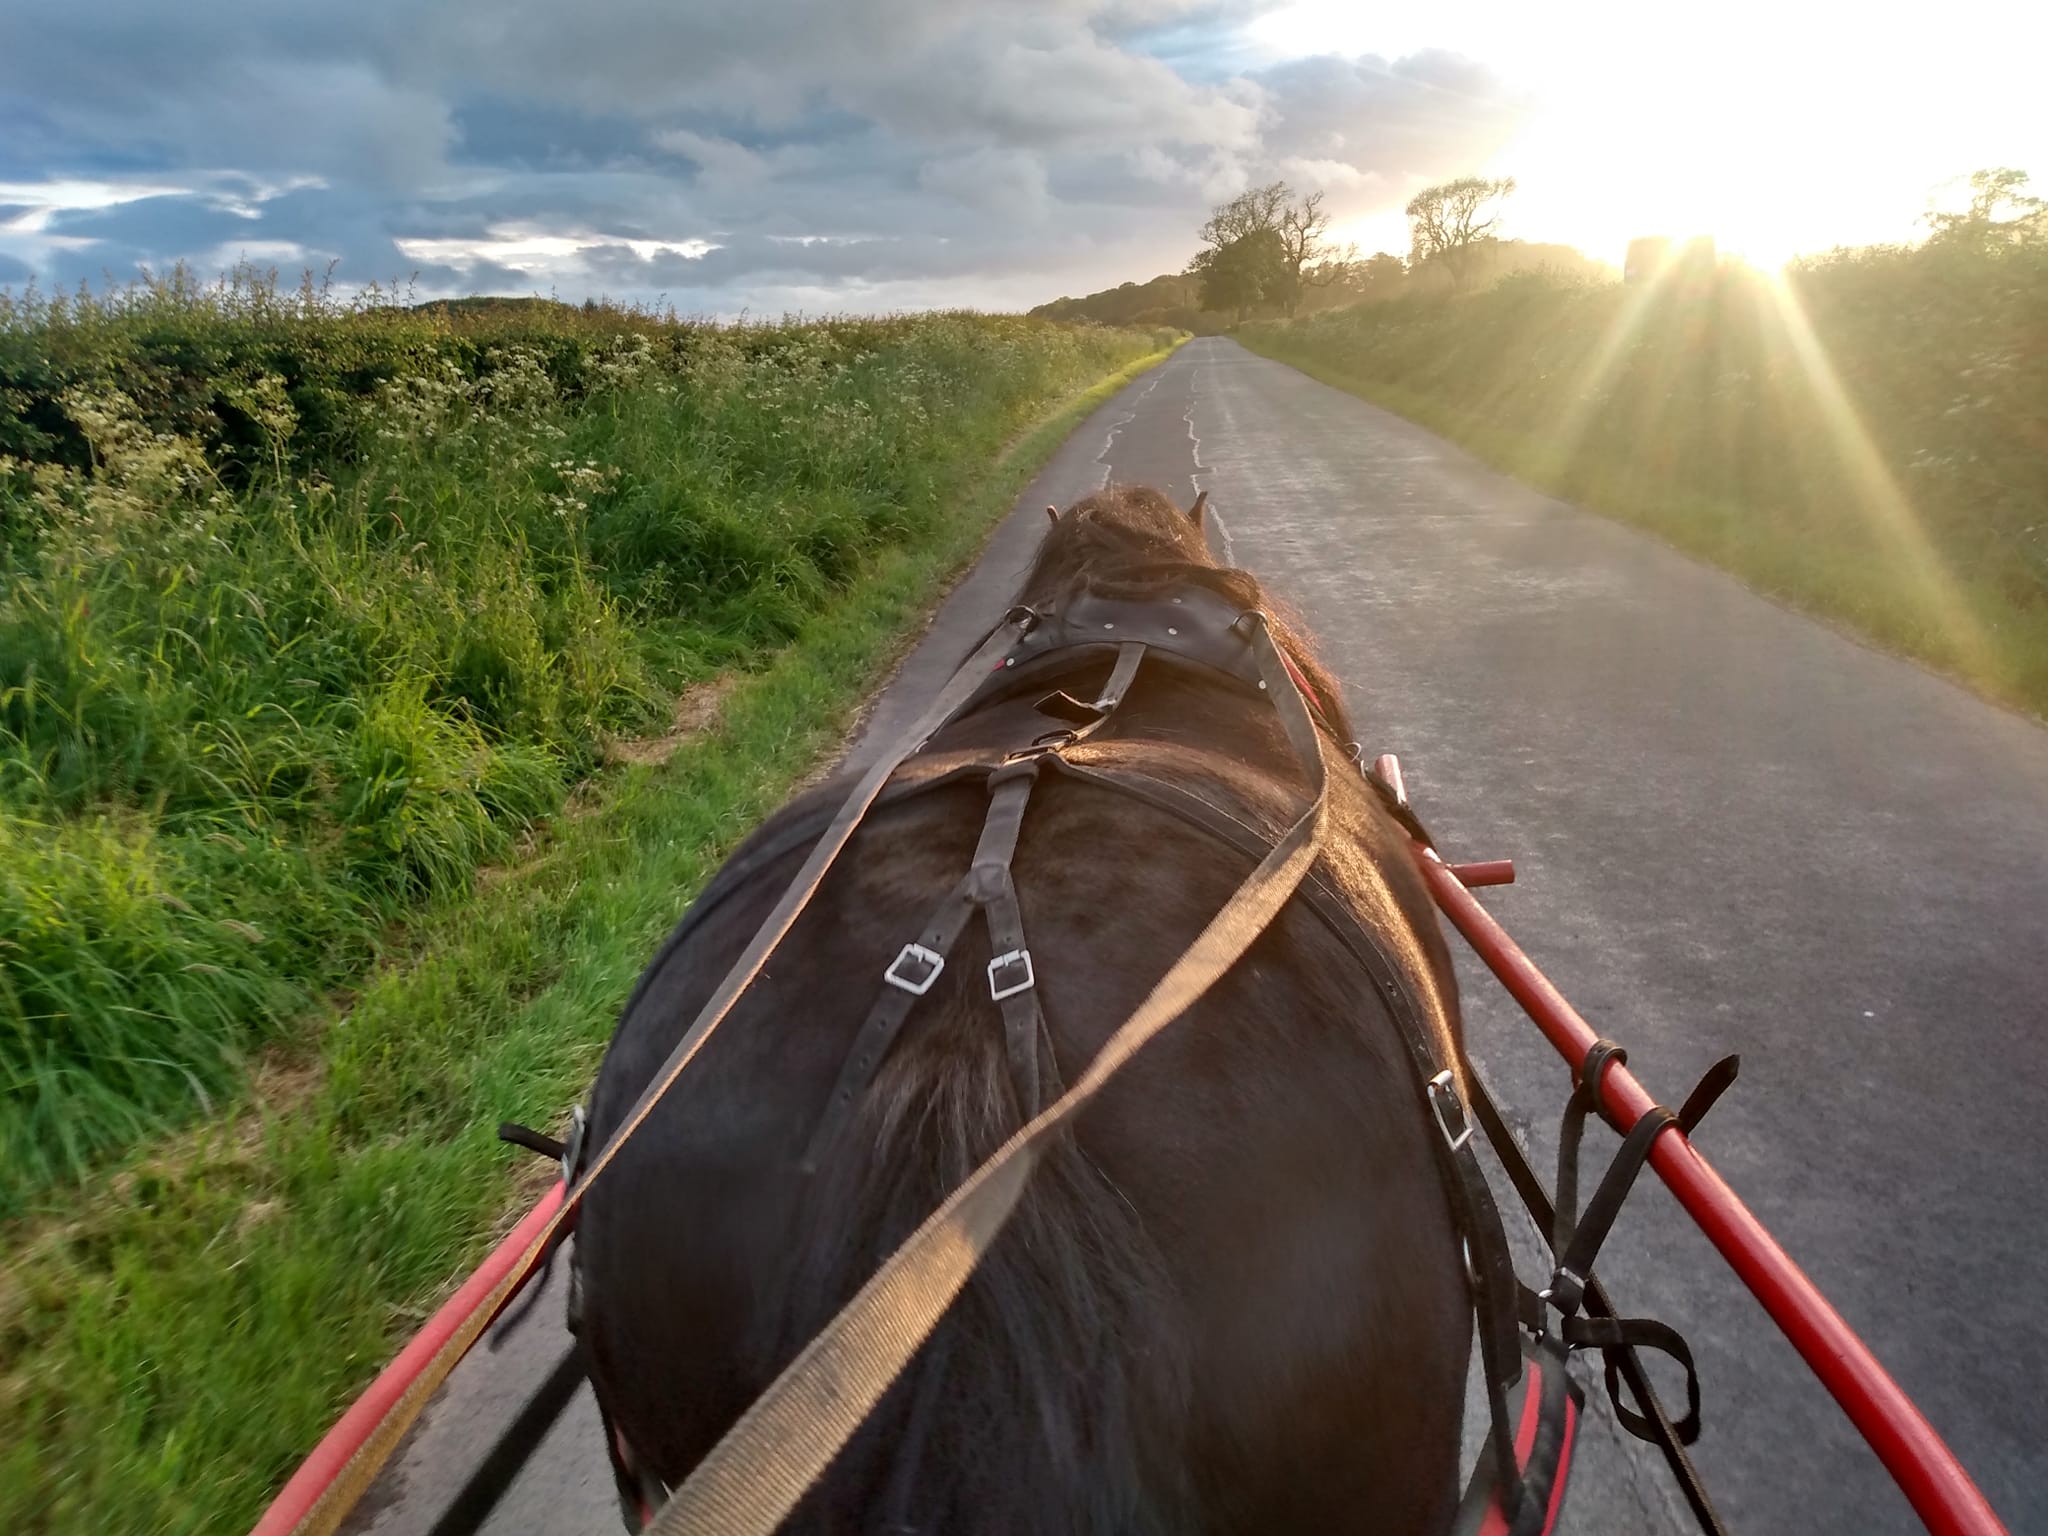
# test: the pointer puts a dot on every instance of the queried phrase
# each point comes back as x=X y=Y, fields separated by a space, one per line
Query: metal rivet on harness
x=1010 y=974
x=1444 y=1100
x=914 y=969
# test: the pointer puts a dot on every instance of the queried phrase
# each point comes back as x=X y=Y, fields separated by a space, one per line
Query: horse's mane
x=1130 y=542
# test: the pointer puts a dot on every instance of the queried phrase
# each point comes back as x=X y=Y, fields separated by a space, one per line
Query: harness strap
x=1012 y=980
x=1128 y=655
x=916 y=966
x=761 y=1469
x=1013 y=985
x=1393 y=799
x=908 y=1461
x=1567 y=1285
x=1490 y=1271
x=1611 y=1336
x=803 y=887
x=989 y=888
x=986 y=887
x=1553 y=1312
x=1656 y=1423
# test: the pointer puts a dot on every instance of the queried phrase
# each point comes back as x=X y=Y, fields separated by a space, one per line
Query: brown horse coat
x=1232 y=1301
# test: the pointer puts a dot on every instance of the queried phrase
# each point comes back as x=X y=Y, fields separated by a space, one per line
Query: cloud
x=1006 y=183
x=832 y=153
x=1366 y=121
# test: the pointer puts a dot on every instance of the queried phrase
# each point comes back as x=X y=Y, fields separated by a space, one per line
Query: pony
x=1233 y=1298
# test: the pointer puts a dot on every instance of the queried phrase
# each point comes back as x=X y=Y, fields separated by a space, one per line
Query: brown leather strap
x=987 y=877
x=1013 y=984
x=755 y=1476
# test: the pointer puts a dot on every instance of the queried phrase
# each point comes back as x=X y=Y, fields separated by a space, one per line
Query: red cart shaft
x=1924 y=1467
x=299 y=1496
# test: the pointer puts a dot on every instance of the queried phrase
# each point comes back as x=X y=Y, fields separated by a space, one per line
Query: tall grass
x=308 y=612
x=192 y=1319
x=1868 y=437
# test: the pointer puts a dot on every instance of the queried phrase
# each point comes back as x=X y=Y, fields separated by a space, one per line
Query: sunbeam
x=1883 y=507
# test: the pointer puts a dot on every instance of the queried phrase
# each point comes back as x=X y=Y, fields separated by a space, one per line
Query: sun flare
x=1777 y=127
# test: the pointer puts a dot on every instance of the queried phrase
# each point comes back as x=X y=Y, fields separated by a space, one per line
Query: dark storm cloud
x=743 y=156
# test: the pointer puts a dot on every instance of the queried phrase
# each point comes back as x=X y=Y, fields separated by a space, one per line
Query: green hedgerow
x=309 y=610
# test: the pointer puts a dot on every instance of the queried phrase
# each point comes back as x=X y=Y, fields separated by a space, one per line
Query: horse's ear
x=1195 y=512
x=1053 y=513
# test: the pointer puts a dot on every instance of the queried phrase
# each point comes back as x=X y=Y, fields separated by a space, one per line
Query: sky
x=821 y=156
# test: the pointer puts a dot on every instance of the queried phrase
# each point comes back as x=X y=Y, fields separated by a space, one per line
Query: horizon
x=804 y=158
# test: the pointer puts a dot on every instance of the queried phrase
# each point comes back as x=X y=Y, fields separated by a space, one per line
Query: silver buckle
x=914 y=969
x=1443 y=1089
x=1015 y=958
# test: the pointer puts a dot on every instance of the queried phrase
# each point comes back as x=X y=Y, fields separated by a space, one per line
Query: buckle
x=1010 y=974
x=1443 y=1092
x=1048 y=745
x=914 y=969
x=1565 y=1292
x=572 y=1145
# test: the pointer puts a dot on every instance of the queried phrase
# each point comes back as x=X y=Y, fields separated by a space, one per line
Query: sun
x=1775 y=126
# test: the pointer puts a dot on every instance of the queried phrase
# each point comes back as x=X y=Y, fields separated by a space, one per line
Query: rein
x=755 y=1476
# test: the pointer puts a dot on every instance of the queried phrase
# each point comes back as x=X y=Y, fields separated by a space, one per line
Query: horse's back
x=1232 y=1300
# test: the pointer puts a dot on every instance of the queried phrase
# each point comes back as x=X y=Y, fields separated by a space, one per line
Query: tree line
x=1269 y=246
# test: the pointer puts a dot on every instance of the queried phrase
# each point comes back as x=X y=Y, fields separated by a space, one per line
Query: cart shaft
x=1928 y=1473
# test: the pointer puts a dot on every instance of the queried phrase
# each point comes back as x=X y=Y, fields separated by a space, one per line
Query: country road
x=1735 y=830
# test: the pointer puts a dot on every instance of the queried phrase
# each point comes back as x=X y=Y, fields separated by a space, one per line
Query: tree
x=1251 y=212
x=1311 y=261
x=1379 y=275
x=1448 y=221
x=2001 y=213
x=1293 y=234
x=1241 y=274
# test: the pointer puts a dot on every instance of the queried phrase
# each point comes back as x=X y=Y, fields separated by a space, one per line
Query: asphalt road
x=1735 y=830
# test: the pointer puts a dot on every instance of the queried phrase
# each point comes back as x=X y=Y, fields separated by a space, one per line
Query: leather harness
x=1525 y=1337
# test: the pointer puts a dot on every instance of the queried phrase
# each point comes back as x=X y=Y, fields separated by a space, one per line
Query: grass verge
x=171 y=1347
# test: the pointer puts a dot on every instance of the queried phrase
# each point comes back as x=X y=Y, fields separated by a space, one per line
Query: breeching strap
x=756 y=1475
